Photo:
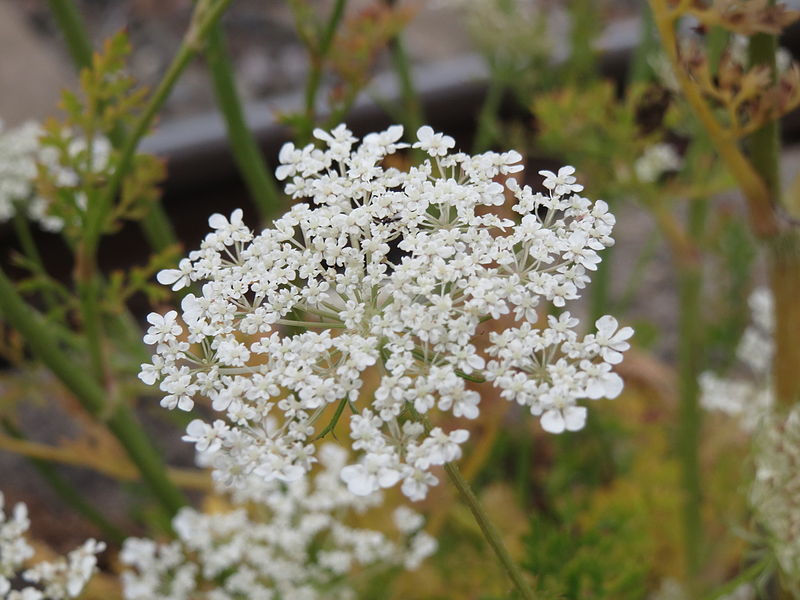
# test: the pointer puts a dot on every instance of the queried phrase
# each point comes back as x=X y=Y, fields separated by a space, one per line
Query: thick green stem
x=25 y=237
x=764 y=145
x=69 y=21
x=783 y=248
x=784 y=257
x=119 y=419
x=158 y=229
x=639 y=68
x=249 y=159
x=691 y=362
x=413 y=115
x=489 y=531
x=68 y=493
x=487 y=118
x=89 y=293
x=318 y=56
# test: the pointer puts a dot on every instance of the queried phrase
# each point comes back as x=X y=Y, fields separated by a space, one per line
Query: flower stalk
x=489 y=531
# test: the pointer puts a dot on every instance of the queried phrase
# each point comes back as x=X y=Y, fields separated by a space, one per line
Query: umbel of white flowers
x=51 y=580
x=295 y=546
x=391 y=271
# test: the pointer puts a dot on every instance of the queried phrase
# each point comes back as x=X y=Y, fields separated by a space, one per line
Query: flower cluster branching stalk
x=160 y=235
x=756 y=193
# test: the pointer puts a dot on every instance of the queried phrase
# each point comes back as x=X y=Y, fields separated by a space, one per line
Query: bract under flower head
x=391 y=271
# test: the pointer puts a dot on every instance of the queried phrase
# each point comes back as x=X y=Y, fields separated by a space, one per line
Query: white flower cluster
x=294 y=546
x=57 y=580
x=749 y=399
x=391 y=271
x=21 y=151
x=776 y=488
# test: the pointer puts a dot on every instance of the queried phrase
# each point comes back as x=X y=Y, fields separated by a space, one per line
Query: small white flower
x=612 y=342
x=570 y=418
x=178 y=278
x=435 y=144
x=563 y=183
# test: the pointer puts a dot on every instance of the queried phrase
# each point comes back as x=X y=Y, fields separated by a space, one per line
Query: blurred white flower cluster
x=392 y=271
x=293 y=545
x=748 y=398
x=52 y=580
x=21 y=152
x=671 y=589
x=655 y=161
x=775 y=490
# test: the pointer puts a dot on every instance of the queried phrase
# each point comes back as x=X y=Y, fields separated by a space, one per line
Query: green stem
x=88 y=294
x=119 y=419
x=25 y=236
x=764 y=144
x=158 y=229
x=691 y=362
x=640 y=69
x=205 y=15
x=484 y=522
x=489 y=531
x=413 y=115
x=68 y=493
x=487 y=118
x=69 y=21
x=784 y=248
x=318 y=56
x=249 y=159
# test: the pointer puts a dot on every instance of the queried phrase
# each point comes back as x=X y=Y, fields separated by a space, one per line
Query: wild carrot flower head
x=388 y=271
